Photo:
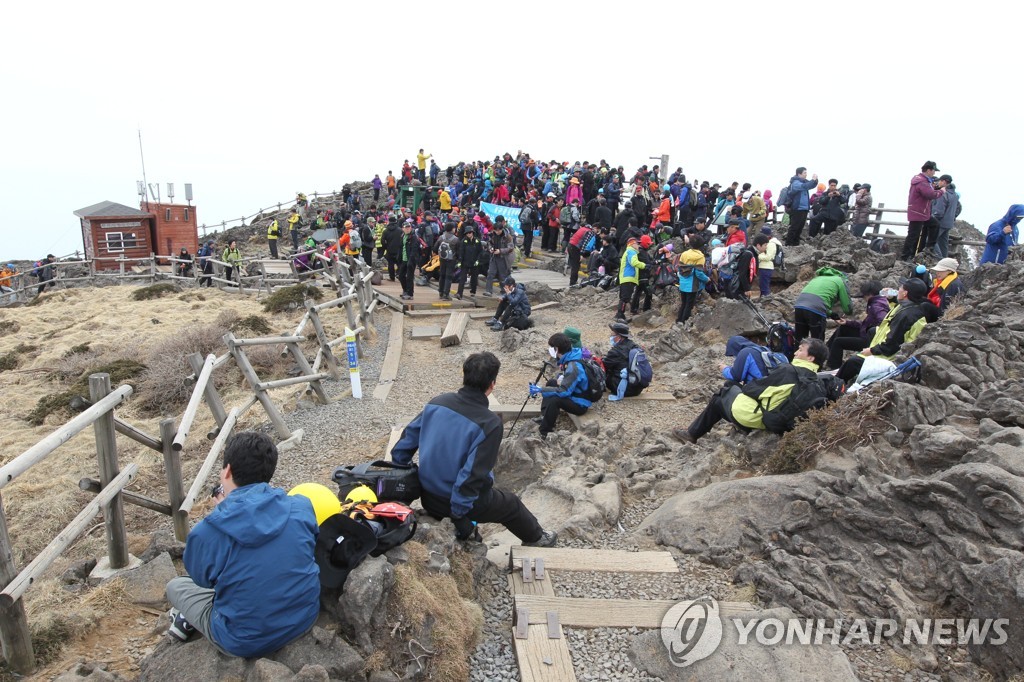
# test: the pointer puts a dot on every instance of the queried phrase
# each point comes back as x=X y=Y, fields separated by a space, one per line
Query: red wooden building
x=111 y=231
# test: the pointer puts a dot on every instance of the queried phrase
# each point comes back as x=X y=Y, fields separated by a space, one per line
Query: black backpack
x=389 y=481
x=810 y=392
x=595 y=380
x=781 y=338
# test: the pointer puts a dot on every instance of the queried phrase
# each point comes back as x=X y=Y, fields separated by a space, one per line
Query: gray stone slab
x=431 y=331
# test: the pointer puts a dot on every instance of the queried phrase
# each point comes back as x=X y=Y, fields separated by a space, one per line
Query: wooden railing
x=356 y=295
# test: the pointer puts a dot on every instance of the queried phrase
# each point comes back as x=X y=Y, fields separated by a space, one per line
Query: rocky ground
x=922 y=519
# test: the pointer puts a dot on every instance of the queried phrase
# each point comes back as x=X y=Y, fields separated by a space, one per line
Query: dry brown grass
x=457 y=622
x=851 y=421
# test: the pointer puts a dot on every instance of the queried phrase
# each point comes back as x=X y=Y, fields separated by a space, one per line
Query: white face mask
x=553 y=351
x=611 y=340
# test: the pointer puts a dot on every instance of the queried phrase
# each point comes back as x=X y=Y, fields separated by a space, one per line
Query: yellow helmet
x=325 y=503
x=361 y=493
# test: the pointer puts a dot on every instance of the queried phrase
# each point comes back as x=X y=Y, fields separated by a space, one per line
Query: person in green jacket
x=232 y=259
x=739 y=405
x=630 y=266
x=814 y=304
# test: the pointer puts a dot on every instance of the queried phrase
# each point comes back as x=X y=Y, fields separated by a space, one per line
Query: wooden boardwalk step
x=607 y=613
x=389 y=369
x=600 y=560
x=541 y=659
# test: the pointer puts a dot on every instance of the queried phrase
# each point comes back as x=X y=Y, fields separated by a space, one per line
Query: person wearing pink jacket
x=919 y=209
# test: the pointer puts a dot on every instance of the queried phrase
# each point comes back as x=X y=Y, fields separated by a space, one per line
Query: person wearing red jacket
x=734 y=235
x=919 y=209
x=664 y=213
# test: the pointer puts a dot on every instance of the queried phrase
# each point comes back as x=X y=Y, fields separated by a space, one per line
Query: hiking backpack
x=595 y=380
x=640 y=371
x=389 y=481
x=784 y=197
x=445 y=250
x=355 y=242
x=781 y=338
x=810 y=392
x=779 y=261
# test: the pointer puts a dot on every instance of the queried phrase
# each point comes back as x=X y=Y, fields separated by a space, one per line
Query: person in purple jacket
x=854 y=335
x=919 y=208
x=377 y=184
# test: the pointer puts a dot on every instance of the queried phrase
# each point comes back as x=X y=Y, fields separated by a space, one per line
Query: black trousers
x=407 y=275
x=444 y=284
x=527 y=240
x=843 y=339
x=392 y=266
x=272 y=243
x=915 y=241
x=207 y=271
x=471 y=274
x=643 y=288
x=713 y=413
x=850 y=369
x=796 y=226
x=626 y=290
x=930 y=234
x=549 y=407
x=368 y=255
x=574 y=264
x=492 y=506
x=687 y=299
x=807 y=324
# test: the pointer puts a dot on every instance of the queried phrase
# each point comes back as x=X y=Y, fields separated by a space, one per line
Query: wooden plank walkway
x=541 y=659
x=600 y=560
x=607 y=613
x=389 y=369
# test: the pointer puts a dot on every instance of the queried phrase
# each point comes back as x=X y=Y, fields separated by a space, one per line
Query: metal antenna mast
x=142 y=156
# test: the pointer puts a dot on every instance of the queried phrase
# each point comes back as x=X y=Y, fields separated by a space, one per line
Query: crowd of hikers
x=661 y=233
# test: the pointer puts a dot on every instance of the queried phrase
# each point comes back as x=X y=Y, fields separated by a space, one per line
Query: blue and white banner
x=511 y=214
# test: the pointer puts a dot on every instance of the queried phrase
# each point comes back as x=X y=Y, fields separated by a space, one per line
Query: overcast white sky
x=251 y=102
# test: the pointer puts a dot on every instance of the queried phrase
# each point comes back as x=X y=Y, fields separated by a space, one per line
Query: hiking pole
x=543 y=368
x=757 y=312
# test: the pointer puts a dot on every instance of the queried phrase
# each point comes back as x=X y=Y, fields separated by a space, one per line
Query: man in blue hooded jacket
x=566 y=392
x=752 y=361
x=1001 y=235
x=799 y=204
x=253 y=584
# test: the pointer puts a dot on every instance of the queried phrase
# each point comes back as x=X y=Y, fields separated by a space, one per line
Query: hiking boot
x=488 y=294
x=491 y=322
x=180 y=628
x=547 y=539
x=684 y=435
x=537 y=420
x=497 y=327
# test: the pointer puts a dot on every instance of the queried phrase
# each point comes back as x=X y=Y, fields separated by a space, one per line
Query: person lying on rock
x=253 y=584
x=751 y=360
x=748 y=406
x=902 y=325
x=458 y=437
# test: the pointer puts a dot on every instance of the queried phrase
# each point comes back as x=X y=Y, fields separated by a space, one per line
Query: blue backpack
x=640 y=371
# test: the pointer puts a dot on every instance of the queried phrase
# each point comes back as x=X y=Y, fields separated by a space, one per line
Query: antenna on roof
x=188 y=193
x=170 y=192
x=144 y=182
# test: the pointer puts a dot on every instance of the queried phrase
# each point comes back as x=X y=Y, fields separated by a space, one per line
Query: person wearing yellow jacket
x=273 y=232
x=630 y=266
x=232 y=259
x=293 y=226
x=444 y=199
x=747 y=406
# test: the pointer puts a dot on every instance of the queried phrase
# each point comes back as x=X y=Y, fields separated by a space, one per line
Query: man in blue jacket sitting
x=566 y=392
x=458 y=437
x=253 y=584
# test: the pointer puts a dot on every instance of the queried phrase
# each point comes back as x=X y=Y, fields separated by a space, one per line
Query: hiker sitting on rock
x=513 y=308
x=617 y=365
x=458 y=437
x=752 y=361
x=568 y=390
x=750 y=406
x=253 y=585
x=902 y=325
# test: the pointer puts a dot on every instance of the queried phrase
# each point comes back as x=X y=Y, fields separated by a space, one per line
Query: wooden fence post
x=175 y=486
x=238 y=353
x=106 y=452
x=195 y=360
x=325 y=342
x=878 y=217
x=14 y=632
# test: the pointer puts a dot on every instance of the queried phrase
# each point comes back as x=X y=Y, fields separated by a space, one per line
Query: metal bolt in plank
x=538 y=568
x=527 y=571
x=522 y=623
x=554 y=631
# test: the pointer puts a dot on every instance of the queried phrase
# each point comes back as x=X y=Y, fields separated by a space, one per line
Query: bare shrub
x=851 y=421
x=163 y=386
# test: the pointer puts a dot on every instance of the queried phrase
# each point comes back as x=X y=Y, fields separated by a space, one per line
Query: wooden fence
x=356 y=295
